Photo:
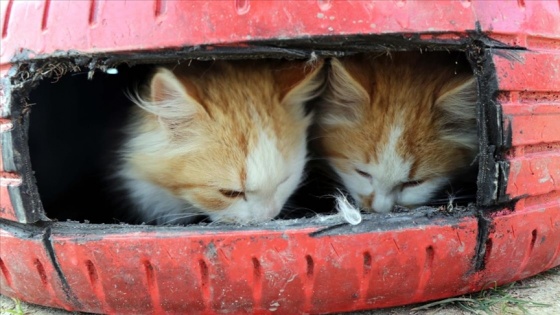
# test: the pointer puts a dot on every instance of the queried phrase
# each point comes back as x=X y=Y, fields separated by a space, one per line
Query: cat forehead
x=267 y=165
x=388 y=164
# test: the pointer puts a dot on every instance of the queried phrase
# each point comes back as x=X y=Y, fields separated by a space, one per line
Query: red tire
x=307 y=265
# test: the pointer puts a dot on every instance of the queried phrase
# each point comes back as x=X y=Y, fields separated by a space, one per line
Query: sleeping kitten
x=226 y=139
x=398 y=128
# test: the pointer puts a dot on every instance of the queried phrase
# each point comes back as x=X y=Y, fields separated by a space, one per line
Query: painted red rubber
x=132 y=270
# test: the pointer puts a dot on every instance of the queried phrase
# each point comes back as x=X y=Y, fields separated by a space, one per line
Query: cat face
x=396 y=129
x=227 y=138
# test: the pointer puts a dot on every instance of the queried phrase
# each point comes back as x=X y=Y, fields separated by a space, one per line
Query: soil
x=543 y=288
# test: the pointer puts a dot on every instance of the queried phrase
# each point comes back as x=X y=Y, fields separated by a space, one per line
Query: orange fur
x=429 y=96
x=194 y=151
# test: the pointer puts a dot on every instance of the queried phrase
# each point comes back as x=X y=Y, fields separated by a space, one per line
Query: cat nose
x=367 y=200
x=383 y=203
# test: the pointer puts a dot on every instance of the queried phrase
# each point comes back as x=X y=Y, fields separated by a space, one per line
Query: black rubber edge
x=15 y=153
x=47 y=243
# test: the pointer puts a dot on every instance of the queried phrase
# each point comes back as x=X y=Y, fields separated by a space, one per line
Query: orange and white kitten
x=398 y=128
x=226 y=139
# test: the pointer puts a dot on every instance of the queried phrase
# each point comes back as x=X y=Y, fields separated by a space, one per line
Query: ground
x=539 y=295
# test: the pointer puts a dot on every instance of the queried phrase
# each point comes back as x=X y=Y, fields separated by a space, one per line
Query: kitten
x=398 y=128
x=225 y=139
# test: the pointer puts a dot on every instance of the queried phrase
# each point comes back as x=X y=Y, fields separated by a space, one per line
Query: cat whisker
x=335 y=195
x=217 y=221
x=316 y=138
x=453 y=198
x=318 y=159
x=297 y=208
x=179 y=218
x=303 y=183
x=172 y=217
x=175 y=214
x=287 y=212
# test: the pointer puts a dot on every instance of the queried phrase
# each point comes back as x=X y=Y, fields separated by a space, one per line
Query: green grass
x=549 y=272
x=16 y=309
x=494 y=300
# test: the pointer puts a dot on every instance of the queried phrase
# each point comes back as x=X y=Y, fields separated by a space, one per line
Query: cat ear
x=172 y=99
x=458 y=109
x=461 y=93
x=346 y=95
x=300 y=81
x=459 y=99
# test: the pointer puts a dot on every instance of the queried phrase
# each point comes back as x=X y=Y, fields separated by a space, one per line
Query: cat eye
x=364 y=174
x=411 y=184
x=232 y=193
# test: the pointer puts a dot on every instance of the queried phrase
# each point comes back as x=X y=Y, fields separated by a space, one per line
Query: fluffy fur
x=226 y=139
x=398 y=128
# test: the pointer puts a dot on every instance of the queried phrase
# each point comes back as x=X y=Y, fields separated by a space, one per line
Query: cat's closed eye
x=364 y=174
x=412 y=184
x=232 y=193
